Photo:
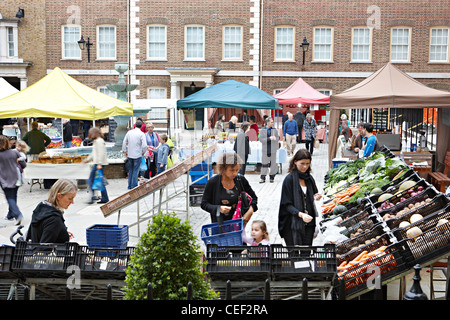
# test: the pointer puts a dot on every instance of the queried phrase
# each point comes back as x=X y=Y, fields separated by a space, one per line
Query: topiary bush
x=167 y=256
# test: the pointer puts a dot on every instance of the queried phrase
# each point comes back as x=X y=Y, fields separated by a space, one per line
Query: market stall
x=389 y=87
x=382 y=216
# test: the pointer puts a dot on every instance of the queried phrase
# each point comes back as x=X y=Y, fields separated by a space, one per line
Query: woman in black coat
x=47 y=222
x=297 y=213
x=222 y=191
x=242 y=146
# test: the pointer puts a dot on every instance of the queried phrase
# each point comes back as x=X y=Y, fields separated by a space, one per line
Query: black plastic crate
x=104 y=262
x=44 y=257
x=238 y=262
x=389 y=264
x=364 y=224
x=398 y=195
x=437 y=203
x=358 y=215
x=353 y=210
x=428 y=192
x=298 y=262
x=432 y=243
x=364 y=238
x=6 y=256
x=409 y=175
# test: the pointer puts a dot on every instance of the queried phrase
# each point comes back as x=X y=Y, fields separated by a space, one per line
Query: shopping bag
x=316 y=144
x=143 y=166
x=98 y=184
x=172 y=160
x=243 y=205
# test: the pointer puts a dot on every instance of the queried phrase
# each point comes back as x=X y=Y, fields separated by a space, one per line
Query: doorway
x=193 y=115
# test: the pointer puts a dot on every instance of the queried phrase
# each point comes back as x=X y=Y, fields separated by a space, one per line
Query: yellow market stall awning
x=59 y=95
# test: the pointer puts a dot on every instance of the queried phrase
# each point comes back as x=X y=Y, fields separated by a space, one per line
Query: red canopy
x=301 y=92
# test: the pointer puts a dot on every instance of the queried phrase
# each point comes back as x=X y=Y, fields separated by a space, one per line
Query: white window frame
x=356 y=43
x=278 y=43
x=225 y=43
x=408 y=60
x=316 y=43
x=448 y=46
x=157 y=113
x=186 y=58
x=163 y=57
x=105 y=90
x=63 y=51
x=99 y=43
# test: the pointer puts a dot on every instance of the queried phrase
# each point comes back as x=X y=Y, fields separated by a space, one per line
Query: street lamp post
x=305 y=47
x=83 y=45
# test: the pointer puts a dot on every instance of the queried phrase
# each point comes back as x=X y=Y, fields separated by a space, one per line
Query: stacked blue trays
x=229 y=234
x=107 y=236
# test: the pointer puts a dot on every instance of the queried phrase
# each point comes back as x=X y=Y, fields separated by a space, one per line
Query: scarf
x=304 y=203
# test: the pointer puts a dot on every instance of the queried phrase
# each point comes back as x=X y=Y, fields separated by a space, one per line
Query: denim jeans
x=133 y=173
x=67 y=144
x=11 y=197
x=161 y=169
x=104 y=193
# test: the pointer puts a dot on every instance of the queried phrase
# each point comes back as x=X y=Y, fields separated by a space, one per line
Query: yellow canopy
x=61 y=96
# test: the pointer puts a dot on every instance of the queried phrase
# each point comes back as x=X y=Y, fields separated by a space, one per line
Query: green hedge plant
x=167 y=256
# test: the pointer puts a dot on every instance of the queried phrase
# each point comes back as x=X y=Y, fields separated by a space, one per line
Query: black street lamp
x=304 y=46
x=20 y=13
x=83 y=44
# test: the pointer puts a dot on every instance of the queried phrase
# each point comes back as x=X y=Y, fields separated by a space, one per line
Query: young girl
x=259 y=234
x=23 y=148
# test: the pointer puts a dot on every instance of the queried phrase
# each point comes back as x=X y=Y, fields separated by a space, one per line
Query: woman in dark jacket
x=242 y=146
x=47 y=223
x=297 y=213
x=222 y=191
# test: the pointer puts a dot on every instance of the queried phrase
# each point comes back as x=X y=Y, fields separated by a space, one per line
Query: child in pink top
x=259 y=234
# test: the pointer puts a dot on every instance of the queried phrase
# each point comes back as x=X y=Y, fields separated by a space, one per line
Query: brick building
x=170 y=45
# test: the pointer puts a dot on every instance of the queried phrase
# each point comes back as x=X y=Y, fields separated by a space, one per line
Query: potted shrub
x=167 y=256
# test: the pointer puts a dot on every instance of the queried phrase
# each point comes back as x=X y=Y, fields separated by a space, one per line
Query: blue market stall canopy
x=229 y=94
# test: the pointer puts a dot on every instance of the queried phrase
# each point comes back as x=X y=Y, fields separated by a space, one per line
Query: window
x=106 y=43
x=232 y=43
x=284 y=43
x=195 y=45
x=400 y=43
x=323 y=44
x=439 y=45
x=157 y=112
x=157 y=42
x=11 y=51
x=361 y=44
x=71 y=35
x=108 y=92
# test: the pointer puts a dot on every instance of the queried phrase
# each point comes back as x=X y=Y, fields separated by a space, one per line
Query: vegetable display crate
x=100 y=263
x=392 y=188
x=403 y=199
x=196 y=194
x=316 y=263
x=228 y=234
x=364 y=238
x=437 y=203
x=200 y=177
x=408 y=175
x=362 y=223
x=104 y=236
x=6 y=256
x=429 y=239
x=238 y=262
x=389 y=262
x=44 y=257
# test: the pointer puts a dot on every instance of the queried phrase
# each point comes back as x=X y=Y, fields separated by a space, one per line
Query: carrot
x=397 y=175
x=343 y=264
x=360 y=255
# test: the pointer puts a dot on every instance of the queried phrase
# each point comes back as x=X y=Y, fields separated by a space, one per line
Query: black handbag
x=243 y=197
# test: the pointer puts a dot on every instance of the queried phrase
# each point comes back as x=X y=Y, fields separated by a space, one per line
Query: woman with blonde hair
x=232 y=124
x=47 y=222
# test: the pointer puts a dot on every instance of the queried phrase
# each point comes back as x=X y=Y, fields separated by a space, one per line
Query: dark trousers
x=11 y=198
x=309 y=145
x=306 y=241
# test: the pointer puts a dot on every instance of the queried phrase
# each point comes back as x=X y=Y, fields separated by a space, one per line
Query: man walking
x=134 y=147
x=290 y=132
x=268 y=136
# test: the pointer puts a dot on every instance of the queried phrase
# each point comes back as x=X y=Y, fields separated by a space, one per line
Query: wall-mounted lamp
x=304 y=46
x=20 y=13
x=83 y=44
x=192 y=86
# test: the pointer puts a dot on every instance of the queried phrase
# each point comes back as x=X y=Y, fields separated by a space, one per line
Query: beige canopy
x=389 y=87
